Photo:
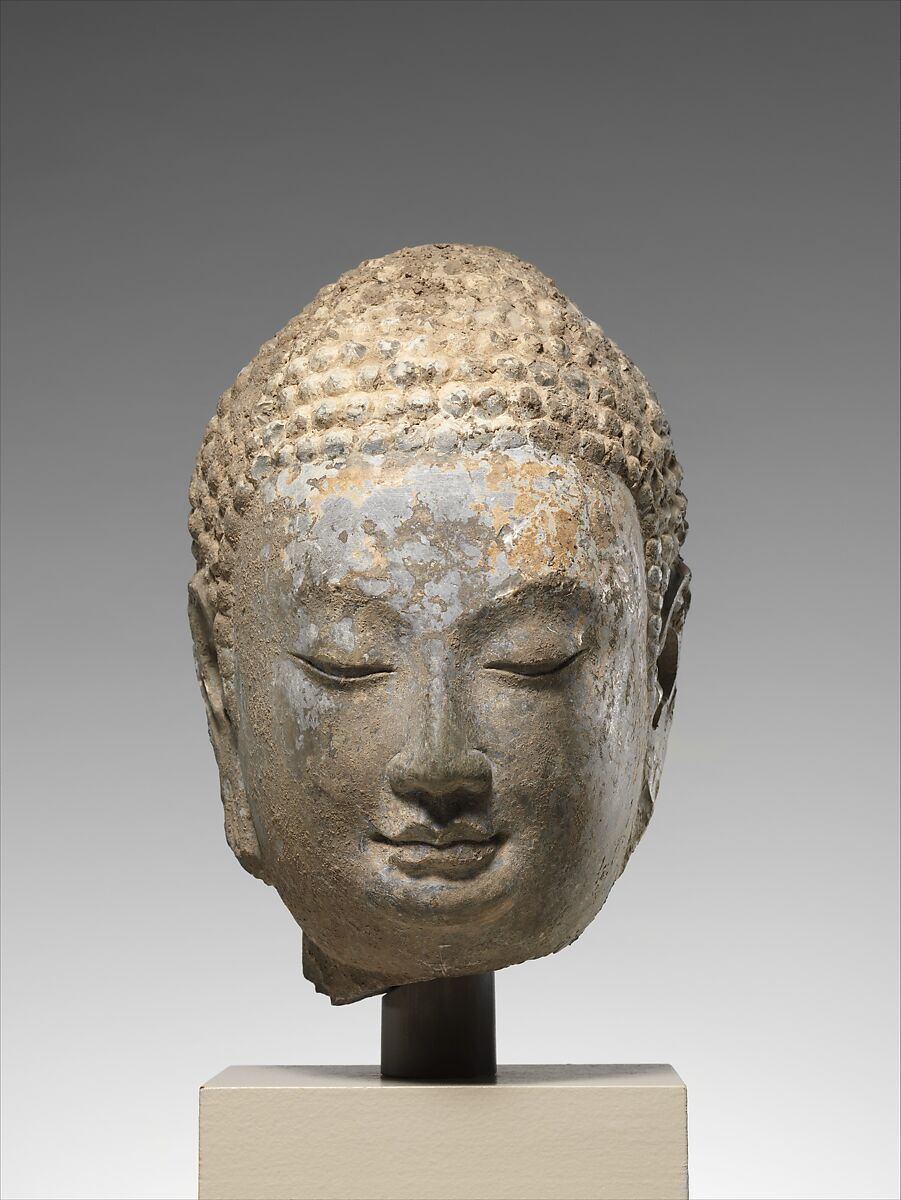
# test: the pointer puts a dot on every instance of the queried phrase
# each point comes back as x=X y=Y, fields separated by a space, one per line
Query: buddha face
x=442 y=707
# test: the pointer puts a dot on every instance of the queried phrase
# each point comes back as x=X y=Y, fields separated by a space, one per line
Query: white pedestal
x=538 y=1133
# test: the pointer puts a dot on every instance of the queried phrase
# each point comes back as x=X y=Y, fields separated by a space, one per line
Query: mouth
x=446 y=854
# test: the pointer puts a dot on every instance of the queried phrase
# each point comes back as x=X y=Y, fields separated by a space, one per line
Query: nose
x=438 y=768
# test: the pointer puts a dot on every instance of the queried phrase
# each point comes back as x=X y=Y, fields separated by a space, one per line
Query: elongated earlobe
x=239 y=827
x=675 y=609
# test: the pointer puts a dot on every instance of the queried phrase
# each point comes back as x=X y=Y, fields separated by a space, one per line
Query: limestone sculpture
x=436 y=613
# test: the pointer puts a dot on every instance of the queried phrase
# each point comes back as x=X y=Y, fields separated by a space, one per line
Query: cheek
x=332 y=744
x=300 y=710
x=618 y=710
x=541 y=761
x=571 y=755
x=523 y=727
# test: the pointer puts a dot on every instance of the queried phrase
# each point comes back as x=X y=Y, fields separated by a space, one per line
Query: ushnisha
x=437 y=523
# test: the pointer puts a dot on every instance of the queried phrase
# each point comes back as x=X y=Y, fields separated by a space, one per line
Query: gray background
x=716 y=184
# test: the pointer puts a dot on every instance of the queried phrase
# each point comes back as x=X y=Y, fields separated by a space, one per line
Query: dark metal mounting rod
x=442 y=1029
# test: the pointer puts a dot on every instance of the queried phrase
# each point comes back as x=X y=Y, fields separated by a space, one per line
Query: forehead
x=478 y=525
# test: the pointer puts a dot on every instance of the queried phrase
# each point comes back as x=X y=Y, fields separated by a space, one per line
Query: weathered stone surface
x=439 y=593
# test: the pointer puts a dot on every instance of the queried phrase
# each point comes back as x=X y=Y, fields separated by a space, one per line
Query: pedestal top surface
x=641 y=1075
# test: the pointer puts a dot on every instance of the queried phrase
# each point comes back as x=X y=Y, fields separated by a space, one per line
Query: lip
x=445 y=854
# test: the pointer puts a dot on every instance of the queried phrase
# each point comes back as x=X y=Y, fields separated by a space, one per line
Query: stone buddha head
x=436 y=615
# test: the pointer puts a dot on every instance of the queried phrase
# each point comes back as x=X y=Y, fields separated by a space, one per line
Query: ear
x=675 y=609
x=239 y=827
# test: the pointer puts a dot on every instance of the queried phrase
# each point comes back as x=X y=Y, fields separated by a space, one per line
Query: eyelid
x=342 y=672
x=531 y=670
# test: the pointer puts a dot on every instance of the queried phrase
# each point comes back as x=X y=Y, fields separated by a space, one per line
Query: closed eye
x=546 y=667
x=344 y=672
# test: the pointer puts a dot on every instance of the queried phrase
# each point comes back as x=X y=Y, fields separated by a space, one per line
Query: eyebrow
x=554 y=592
x=350 y=599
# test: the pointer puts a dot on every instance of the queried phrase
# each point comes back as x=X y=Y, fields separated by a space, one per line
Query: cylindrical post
x=442 y=1029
